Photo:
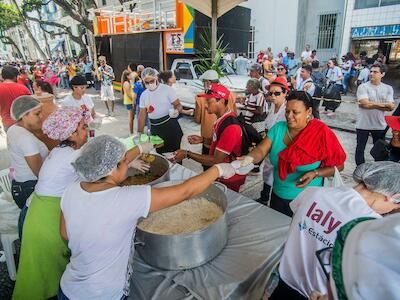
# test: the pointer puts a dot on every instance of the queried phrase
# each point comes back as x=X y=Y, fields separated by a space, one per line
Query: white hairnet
x=23 y=105
x=380 y=176
x=210 y=75
x=149 y=72
x=365 y=259
x=99 y=157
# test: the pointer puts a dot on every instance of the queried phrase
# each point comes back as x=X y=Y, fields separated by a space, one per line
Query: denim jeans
x=362 y=138
x=346 y=79
x=21 y=220
x=61 y=295
x=64 y=82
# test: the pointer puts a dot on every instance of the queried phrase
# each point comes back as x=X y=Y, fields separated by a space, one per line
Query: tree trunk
x=34 y=41
x=11 y=42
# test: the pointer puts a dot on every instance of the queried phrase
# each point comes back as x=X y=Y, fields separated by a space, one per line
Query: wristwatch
x=316 y=172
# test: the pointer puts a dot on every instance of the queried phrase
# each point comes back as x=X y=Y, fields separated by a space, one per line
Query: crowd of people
x=69 y=189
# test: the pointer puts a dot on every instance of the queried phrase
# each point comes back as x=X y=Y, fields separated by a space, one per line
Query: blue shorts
x=129 y=106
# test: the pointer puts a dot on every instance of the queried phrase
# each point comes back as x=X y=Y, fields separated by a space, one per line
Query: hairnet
x=60 y=124
x=149 y=72
x=99 y=157
x=23 y=105
x=210 y=75
x=380 y=176
x=365 y=259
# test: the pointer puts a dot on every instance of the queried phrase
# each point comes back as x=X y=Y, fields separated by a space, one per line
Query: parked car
x=188 y=84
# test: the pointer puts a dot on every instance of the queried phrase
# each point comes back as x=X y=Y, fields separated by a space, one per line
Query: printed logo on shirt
x=325 y=219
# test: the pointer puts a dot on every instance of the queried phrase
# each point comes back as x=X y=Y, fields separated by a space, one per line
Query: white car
x=188 y=84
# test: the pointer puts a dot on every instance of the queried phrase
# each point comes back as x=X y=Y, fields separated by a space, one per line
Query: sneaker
x=330 y=114
x=112 y=114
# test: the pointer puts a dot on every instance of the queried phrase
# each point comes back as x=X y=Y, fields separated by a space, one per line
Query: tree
x=77 y=10
x=9 y=18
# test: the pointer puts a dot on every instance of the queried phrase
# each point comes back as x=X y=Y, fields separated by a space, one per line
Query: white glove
x=246 y=161
x=145 y=148
x=225 y=170
x=174 y=113
x=140 y=165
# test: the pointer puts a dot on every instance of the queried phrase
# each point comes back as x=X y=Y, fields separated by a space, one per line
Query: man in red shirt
x=225 y=145
x=9 y=91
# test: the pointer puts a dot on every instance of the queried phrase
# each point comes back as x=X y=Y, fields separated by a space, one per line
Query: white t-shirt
x=346 y=67
x=100 y=228
x=364 y=75
x=57 y=172
x=85 y=103
x=334 y=75
x=271 y=120
x=318 y=215
x=305 y=54
x=373 y=119
x=159 y=100
x=22 y=143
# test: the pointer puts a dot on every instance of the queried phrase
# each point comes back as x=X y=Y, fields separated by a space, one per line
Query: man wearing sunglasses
x=226 y=142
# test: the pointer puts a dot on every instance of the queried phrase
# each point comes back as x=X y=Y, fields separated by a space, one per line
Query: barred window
x=326 y=31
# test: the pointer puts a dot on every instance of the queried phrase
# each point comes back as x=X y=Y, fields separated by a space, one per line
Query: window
x=184 y=71
x=374 y=3
x=326 y=31
x=104 y=2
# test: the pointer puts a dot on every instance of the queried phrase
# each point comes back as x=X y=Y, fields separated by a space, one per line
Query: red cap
x=280 y=81
x=217 y=91
x=393 y=122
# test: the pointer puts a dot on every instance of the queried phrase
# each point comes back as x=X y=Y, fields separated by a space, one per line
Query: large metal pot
x=159 y=166
x=185 y=251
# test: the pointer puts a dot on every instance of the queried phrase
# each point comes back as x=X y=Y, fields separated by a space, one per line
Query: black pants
x=206 y=151
x=170 y=131
x=283 y=292
x=315 y=108
x=281 y=205
x=362 y=138
x=265 y=195
x=89 y=78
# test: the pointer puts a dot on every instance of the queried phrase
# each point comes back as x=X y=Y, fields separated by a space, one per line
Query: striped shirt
x=251 y=104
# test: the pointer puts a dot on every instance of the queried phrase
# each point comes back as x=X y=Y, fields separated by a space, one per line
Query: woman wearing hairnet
x=319 y=213
x=44 y=254
x=99 y=217
x=364 y=261
x=160 y=103
x=27 y=152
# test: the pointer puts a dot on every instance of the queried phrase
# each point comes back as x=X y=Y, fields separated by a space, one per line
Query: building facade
x=371 y=26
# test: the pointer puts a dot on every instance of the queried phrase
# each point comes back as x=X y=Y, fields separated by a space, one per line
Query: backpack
x=250 y=136
x=319 y=84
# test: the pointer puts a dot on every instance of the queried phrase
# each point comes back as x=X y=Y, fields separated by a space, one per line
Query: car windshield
x=226 y=68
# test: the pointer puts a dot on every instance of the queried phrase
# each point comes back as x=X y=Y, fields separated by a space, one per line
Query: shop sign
x=175 y=42
x=375 y=31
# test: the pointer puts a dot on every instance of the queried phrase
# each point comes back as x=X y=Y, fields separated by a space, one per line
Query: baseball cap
x=280 y=81
x=78 y=80
x=217 y=91
x=211 y=75
x=393 y=122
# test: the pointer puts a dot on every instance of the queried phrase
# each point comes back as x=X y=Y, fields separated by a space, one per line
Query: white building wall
x=275 y=23
x=375 y=16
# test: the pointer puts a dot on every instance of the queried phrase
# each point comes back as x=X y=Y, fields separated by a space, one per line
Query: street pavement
x=343 y=122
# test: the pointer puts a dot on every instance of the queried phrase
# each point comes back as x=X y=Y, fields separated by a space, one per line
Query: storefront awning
x=205 y=6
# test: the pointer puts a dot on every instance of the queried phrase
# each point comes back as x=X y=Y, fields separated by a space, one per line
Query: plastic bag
x=335 y=181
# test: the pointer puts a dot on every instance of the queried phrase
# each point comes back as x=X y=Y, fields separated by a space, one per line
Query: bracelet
x=316 y=173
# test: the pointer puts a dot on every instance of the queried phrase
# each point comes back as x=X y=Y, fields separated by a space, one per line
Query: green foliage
x=9 y=17
x=205 y=54
x=31 y=5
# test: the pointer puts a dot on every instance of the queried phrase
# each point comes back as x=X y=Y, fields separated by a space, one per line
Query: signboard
x=175 y=42
x=376 y=31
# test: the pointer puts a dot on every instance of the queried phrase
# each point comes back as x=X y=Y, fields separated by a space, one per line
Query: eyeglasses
x=276 y=94
x=324 y=259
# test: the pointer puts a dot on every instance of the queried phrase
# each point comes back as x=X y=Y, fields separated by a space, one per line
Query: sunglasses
x=211 y=92
x=280 y=69
x=276 y=94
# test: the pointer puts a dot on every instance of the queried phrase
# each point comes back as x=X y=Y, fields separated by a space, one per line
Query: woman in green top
x=302 y=150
